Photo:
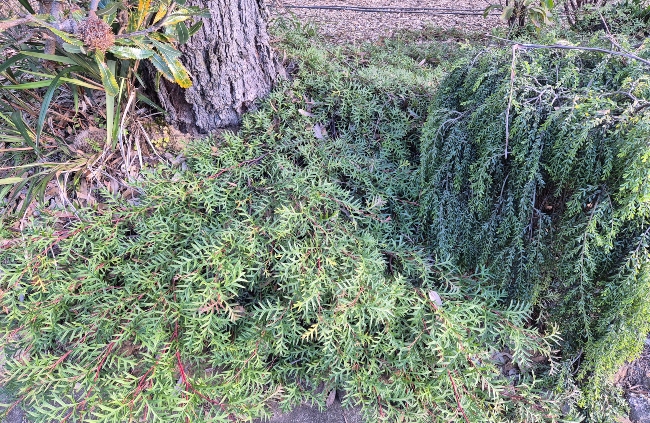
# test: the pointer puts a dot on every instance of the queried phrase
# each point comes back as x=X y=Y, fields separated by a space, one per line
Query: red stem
x=460 y=407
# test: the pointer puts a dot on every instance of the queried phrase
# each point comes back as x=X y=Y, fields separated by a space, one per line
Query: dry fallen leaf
x=330 y=398
x=319 y=131
x=435 y=297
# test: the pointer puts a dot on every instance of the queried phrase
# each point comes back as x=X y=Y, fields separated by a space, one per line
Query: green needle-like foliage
x=283 y=264
x=551 y=193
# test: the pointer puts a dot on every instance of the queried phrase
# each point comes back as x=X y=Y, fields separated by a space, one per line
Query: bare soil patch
x=348 y=26
x=634 y=379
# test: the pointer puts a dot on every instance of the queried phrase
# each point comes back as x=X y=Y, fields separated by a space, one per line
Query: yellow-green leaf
x=68 y=38
x=181 y=76
x=174 y=19
x=108 y=79
x=134 y=53
x=143 y=10
x=162 y=11
x=50 y=57
x=10 y=181
x=46 y=83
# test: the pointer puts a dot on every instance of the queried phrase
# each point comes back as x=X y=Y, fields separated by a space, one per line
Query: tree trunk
x=231 y=63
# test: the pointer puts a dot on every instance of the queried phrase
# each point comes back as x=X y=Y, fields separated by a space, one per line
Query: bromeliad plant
x=66 y=53
x=131 y=30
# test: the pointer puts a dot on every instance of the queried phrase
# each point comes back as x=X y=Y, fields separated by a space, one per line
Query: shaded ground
x=16 y=415
x=634 y=379
x=335 y=413
x=303 y=414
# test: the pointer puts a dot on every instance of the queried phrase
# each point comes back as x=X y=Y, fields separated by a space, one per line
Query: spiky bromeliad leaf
x=172 y=69
x=134 y=53
x=108 y=78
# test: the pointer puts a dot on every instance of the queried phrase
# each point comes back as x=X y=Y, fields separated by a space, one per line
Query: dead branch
x=524 y=46
x=5 y=25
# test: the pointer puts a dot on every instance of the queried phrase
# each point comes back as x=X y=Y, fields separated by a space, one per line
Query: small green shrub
x=630 y=17
x=283 y=264
x=550 y=194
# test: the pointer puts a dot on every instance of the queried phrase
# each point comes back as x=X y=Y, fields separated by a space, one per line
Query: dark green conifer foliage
x=284 y=259
x=563 y=220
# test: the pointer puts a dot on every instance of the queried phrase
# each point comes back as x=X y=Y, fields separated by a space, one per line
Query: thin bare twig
x=125 y=113
x=55 y=11
x=610 y=36
x=460 y=407
x=565 y=47
x=27 y=36
x=5 y=25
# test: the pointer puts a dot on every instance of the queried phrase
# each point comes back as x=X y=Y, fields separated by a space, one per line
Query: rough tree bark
x=231 y=63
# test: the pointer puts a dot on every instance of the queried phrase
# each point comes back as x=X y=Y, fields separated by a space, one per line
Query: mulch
x=348 y=26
